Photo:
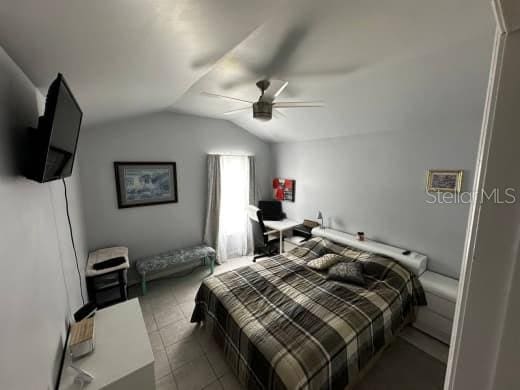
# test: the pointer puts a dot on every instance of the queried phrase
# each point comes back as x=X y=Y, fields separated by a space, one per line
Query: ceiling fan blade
x=322 y=74
x=208 y=60
x=240 y=82
x=280 y=90
x=226 y=97
x=298 y=104
x=281 y=56
x=236 y=111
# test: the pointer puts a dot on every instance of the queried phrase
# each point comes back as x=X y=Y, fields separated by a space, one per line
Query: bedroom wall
x=38 y=283
x=162 y=136
x=376 y=183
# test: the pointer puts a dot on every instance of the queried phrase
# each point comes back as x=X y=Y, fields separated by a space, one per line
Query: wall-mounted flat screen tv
x=54 y=142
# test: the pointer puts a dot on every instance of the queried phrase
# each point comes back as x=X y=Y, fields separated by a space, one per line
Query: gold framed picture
x=444 y=180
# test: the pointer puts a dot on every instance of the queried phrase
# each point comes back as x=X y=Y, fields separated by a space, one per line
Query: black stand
x=110 y=281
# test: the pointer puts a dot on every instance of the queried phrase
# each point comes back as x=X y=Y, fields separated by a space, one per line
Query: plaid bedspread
x=284 y=326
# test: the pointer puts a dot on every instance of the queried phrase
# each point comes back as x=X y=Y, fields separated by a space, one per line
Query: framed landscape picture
x=445 y=181
x=145 y=183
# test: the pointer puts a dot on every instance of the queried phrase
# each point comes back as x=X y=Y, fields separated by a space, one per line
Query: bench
x=171 y=259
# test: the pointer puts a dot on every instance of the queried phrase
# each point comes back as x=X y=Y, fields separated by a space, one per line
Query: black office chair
x=264 y=247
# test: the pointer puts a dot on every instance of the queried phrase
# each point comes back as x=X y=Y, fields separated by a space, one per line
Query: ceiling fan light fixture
x=262 y=111
x=263 y=108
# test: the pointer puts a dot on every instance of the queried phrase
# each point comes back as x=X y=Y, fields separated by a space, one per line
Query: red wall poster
x=283 y=189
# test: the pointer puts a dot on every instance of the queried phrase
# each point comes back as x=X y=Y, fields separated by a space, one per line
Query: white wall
x=36 y=257
x=376 y=183
x=485 y=342
x=162 y=136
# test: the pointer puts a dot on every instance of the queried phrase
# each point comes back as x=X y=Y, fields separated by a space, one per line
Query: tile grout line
x=169 y=364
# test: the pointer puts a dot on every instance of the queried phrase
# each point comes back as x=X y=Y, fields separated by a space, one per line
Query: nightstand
x=103 y=284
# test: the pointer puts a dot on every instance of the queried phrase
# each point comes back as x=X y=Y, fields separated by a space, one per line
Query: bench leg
x=143 y=284
x=211 y=263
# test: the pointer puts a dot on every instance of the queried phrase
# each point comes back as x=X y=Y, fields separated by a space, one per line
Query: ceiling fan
x=265 y=106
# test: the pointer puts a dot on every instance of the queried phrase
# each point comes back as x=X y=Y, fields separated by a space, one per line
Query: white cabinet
x=436 y=318
x=122 y=358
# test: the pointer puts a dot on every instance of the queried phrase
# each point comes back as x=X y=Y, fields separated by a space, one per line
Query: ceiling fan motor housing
x=262 y=111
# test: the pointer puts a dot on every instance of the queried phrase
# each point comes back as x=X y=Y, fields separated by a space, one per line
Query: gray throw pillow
x=348 y=272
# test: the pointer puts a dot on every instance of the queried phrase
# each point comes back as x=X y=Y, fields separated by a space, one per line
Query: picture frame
x=145 y=183
x=442 y=180
x=284 y=189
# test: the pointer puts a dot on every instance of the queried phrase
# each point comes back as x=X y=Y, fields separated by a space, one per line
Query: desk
x=281 y=226
x=122 y=358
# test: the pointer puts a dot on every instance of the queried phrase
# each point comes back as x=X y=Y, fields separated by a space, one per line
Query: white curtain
x=234 y=232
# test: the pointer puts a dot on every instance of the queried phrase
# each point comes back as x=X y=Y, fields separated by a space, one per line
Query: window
x=234 y=228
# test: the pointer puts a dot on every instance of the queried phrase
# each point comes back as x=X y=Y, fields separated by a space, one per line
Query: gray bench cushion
x=173 y=258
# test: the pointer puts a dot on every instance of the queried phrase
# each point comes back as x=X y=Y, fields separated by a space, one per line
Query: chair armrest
x=271 y=232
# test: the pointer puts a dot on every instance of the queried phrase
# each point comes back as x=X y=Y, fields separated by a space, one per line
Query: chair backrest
x=259 y=229
x=251 y=212
x=260 y=217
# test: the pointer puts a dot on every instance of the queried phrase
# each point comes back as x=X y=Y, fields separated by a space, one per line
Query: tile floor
x=186 y=359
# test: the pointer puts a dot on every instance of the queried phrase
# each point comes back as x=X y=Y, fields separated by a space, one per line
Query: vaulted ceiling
x=378 y=66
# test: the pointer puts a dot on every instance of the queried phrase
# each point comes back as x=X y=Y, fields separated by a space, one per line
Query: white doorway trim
x=482 y=342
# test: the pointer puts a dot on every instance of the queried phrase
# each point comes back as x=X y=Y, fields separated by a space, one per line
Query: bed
x=283 y=325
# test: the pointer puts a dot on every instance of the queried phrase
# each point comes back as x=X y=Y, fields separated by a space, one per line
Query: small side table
x=105 y=280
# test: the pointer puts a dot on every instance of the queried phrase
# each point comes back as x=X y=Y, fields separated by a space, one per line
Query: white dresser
x=122 y=358
x=436 y=319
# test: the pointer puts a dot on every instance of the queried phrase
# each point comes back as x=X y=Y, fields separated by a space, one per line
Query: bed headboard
x=415 y=262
